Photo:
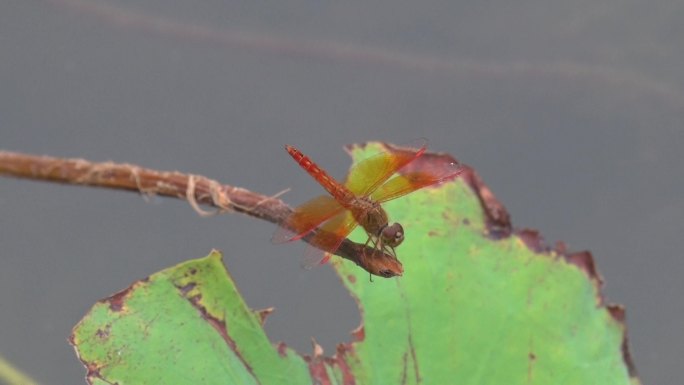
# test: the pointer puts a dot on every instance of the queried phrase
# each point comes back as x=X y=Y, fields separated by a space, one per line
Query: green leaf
x=477 y=305
x=184 y=325
x=473 y=308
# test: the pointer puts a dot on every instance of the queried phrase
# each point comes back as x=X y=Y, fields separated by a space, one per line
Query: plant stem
x=124 y=176
x=196 y=189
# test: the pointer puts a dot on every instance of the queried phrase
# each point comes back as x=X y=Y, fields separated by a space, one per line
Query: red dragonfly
x=358 y=202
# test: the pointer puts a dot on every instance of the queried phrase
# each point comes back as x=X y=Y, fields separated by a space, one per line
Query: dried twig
x=197 y=190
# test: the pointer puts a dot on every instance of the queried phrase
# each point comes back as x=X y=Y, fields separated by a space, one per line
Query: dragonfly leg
x=385 y=248
x=377 y=246
x=365 y=246
x=390 y=250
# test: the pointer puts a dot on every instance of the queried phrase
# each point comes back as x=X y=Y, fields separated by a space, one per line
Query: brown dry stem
x=196 y=189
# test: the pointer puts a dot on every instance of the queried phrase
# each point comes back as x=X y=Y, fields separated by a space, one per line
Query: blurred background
x=571 y=112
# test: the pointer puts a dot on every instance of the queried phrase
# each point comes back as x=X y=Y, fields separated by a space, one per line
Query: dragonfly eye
x=393 y=235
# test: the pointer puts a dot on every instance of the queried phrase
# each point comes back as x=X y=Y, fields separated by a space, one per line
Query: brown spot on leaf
x=531 y=358
x=93 y=372
x=282 y=349
x=532 y=240
x=561 y=247
x=195 y=299
x=618 y=313
x=585 y=261
x=187 y=288
x=359 y=333
x=497 y=218
x=103 y=334
x=117 y=301
x=317 y=365
x=351 y=278
x=340 y=360
x=318 y=372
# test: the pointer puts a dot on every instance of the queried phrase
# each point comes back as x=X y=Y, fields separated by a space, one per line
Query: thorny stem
x=195 y=189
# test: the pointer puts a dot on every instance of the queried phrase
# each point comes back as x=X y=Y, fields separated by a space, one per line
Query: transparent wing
x=366 y=175
x=328 y=237
x=307 y=217
x=403 y=184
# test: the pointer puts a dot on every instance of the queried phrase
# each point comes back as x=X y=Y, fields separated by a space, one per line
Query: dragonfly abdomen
x=333 y=187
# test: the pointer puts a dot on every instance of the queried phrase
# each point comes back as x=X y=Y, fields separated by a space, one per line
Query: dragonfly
x=327 y=220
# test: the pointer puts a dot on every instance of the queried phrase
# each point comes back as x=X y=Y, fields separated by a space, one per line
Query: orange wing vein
x=403 y=184
x=306 y=218
x=329 y=237
x=366 y=175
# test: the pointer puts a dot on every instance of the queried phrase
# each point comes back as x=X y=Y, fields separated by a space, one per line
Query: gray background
x=571 y=112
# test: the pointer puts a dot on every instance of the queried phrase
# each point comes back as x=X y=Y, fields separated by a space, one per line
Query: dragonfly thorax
x=373 y=218
x=370 y=215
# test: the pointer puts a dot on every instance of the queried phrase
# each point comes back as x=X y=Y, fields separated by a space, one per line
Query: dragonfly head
x=392 y=236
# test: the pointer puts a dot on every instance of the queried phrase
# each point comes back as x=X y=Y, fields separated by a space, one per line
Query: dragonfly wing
x=366 y=175
x=307 y=217
x=328 y=237
x=403 y=184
